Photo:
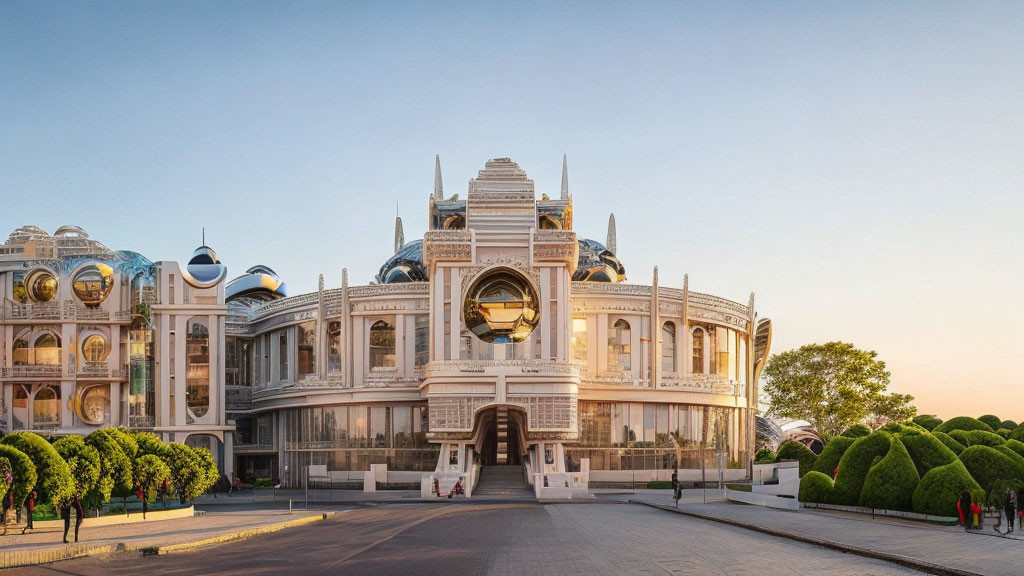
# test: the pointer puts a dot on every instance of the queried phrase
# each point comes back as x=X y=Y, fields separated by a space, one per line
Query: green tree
x=53 y=482
x=150 y=473
x=188 y=474
x=831 y=385
x=893 y=407
x=83 y=461
x=22 y=470
x=208 y=466
x=115 y=468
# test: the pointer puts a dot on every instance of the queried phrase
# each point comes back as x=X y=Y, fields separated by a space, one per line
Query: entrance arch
x=499 y=434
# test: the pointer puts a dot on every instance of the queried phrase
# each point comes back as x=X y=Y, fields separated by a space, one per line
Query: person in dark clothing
x=30 y=509
x=1010 y=507
x=8 y=502
x=65 y=513
x=79 y=514
x=963 y=507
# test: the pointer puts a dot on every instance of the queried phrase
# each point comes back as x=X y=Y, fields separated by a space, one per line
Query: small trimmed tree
x=53 y=482
x=796 y=451
x=150 y=473
x=149 y=443
x=890 y=484
x=855 y=465
x=115 y=468
x=83 y=461
x=962 y=423
x=927 y=421
x=992 y=421
x=22 y=470
x=939 y=490
x=831 y=454
x=816 y=487
x=188 y=475
x=986 y=465
x=857 y=431
x=208 y=466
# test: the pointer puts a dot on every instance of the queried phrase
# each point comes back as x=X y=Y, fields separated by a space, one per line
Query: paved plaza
x=498 y=539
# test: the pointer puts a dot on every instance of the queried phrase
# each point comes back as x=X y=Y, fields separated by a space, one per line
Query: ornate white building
x=500 y=338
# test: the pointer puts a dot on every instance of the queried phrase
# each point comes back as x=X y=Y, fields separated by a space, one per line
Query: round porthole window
x=92 y=284
x=41 y=286
x=94 y=348
x=501 y=307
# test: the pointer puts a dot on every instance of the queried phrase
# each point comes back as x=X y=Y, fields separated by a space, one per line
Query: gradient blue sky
x=857 y=164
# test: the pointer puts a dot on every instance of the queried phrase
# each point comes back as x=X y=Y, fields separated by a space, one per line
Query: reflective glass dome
x=92 y=284
x=501 y=307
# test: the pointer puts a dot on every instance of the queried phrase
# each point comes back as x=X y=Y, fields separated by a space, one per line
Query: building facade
x=499 y=338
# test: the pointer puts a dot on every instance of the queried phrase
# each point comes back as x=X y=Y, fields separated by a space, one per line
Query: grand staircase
x=508 y=481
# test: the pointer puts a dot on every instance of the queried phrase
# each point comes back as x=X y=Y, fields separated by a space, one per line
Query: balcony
x=251 y=448
x=97 y=370
x=32 y=371
x=710 y=383
x=69 y=310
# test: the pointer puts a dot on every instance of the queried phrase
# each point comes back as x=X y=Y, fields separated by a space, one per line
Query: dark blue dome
x=405 y=266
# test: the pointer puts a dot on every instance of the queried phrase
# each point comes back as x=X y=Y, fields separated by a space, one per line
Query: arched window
x=46 y=408
x=22 y=352
x=47 y=349
x=334 y=346
x=619 y=346
x=20 y=405
x=197 y=366
x=668 y=347
x=382 y=345
x=306 y=353
x=94 y=348
x=698 y=351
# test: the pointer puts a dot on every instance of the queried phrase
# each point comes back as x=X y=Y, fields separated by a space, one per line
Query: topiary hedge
x=149 y=443
x=832 y=454
x=938 y=491
x=23 y=471
x=1015 y=445
x=953 y=445
x=977 y=438
x=115 y=468
x=1013 y=455
x=857 y=431
x=962 y=423
x=83 y=461
x=1018 y=433
x=927 y=421
x=993 y=422
x=986 y=465
x=855 y=465
x=1009 y=424
x=890 y=484
x=816 y=487
x=927 y=451
x=150 y=472
x=796 y=451
x=53 y=482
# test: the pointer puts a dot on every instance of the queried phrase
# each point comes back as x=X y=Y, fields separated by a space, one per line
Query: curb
x=69 y=551
x=229 y=537
x=904 y=561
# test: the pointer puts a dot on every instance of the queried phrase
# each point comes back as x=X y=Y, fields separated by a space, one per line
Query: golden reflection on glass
x=94 y=348
x=197 y=365
x=92 y=284
x=42 y=286
x=20 y=294
x=501 y=308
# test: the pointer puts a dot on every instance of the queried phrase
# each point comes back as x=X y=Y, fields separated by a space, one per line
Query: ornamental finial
x=565 y=178
x=610 y=242
x=438 y=186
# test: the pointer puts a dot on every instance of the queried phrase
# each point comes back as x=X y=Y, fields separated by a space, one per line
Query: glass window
x=306 y=353
x=579 y=338
x=282 y=355
x=619 y=346
x=197 y=366
x=698 y=351
x=94 y=348
x=46 y=408
x=21 y=352
x=47 y=350
x=668 y=347
x=422 y=340
x=20 y=405
x=334 y=345
x=382 y=345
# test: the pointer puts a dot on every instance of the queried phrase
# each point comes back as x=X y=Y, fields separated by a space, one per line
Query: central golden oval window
x=501 y=307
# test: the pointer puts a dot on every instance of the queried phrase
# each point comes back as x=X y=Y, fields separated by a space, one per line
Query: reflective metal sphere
x=501 y=307
x=92 y=284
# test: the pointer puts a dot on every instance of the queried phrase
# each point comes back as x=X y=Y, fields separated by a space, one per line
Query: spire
x=438 y=186
x=609 y=242
x=399 y=234
x=565 y=178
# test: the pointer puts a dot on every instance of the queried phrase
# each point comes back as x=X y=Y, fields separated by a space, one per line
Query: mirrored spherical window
x=94 y=348
x=41 y=286
x=92 y=284
x=501 y=307
x=92 y=404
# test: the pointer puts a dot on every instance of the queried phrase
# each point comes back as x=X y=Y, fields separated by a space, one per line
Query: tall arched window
x=668 y=347
x=619 y=346
x=698 y=351
x=306 y=353
x=197 y=366
x=21 y=351
x=382 y=345
x=46 y=408
x=94 y=348
x=47 y=349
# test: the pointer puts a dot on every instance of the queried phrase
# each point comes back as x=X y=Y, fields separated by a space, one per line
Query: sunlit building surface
x=501 y=338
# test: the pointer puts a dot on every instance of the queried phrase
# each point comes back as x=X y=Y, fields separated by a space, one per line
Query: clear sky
x=858 y=165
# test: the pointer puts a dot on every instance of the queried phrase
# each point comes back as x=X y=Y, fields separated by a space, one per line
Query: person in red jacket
x=963 y=508
x=30 y=508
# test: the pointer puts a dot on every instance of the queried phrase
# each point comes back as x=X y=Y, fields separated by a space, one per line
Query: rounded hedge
x=832 y=454
x=115 y=468
x=855 y=465
x=993 y=422
x=816 y=487
x=149 y=443
x=83 y=461
x=987 y=465
x=977 y=438
x=22 y=470
x=1013 y=455
x=962 y=423
x=953 y=445
x=150 y=472
x=1008 y=424
x=764 y=456
x=857 y=431
x=927 y=421
x=796 y=451
x=890 y=484
x=1015 y=445
x=54 y=482
x=939 y=490
x=1018 y=433
x=927 y=451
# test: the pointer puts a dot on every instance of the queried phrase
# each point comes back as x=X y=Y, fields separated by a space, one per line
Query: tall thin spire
x=609 y=242
x=438 y=186
x=399 y=234
x=565 y=178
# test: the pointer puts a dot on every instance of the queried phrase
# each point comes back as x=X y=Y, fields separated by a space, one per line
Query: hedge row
x=797 y=451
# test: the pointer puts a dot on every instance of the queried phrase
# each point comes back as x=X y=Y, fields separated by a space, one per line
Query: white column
x=456 y=311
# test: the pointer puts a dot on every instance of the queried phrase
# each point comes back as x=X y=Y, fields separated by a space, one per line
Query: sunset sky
x=860 y=166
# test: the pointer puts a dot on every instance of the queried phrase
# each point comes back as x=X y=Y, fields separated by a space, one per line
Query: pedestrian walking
x=65 y=514
x=30 y=509
x=1010 y=507
x=963 y=508
x=142 y=498
x=79 y=514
